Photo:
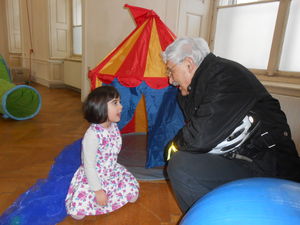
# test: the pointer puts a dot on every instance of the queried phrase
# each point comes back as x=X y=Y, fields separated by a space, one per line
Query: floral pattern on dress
x=118 y=183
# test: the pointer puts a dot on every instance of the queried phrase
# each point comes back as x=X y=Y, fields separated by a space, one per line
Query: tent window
x=76 y=27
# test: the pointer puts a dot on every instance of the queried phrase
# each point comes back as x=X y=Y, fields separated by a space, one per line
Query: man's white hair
x=195 y=48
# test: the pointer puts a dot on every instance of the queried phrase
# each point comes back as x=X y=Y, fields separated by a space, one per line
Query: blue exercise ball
x=252 y=201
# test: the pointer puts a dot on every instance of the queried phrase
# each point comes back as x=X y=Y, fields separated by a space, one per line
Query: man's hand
x=170 y=150
x=101 y=197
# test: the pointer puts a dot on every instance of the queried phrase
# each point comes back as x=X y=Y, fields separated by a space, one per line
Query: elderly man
x=234 y=128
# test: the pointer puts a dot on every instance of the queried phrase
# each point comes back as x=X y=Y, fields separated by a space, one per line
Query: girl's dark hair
x=95 y=105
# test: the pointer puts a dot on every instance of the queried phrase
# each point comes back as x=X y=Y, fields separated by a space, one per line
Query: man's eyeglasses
x=170 y=71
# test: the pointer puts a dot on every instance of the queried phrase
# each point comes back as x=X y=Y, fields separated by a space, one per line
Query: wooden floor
x=28 y=149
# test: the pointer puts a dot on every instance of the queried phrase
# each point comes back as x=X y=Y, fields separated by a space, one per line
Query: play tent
x=136 y=69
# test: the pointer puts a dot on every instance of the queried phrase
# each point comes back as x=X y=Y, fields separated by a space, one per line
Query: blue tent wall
x=164 y=116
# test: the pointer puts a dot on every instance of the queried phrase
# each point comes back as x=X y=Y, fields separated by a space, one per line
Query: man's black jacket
x=222 y=92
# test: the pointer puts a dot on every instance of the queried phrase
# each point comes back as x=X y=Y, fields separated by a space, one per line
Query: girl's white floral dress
x=119 y=184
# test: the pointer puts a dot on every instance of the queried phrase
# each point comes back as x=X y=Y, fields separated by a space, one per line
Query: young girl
x=101 y=185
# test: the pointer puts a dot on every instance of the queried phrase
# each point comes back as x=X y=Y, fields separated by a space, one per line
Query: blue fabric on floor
x=44 y=202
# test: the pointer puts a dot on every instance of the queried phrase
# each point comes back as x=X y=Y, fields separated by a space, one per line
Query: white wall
x=72 y=73
x=291 y=107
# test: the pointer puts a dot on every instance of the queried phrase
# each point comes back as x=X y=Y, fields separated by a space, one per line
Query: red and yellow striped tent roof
x=137 y=58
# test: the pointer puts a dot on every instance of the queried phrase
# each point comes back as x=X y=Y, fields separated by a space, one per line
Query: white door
x=193 y=18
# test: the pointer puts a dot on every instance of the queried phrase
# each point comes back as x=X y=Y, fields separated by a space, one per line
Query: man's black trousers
x=194 y=175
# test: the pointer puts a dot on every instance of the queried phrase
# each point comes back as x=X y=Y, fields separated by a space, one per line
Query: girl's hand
x=101 y=197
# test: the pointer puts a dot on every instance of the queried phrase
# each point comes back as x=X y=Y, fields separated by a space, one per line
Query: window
x=291 y=46
x=245 y=33
x=262 y=35
x=76 y=27
x=13 y=26
x=234 y=2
